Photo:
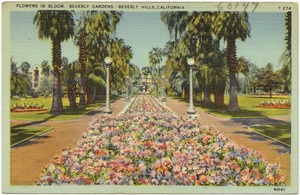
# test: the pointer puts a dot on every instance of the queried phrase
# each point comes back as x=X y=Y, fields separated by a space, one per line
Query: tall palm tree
x=155 y=58
x=57 y=26
x=80 y=41
x=231 y=26
x=107 y=19
x=120 y=68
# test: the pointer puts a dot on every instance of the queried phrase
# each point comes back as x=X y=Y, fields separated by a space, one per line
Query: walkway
x=238 y=132
x=29 y=159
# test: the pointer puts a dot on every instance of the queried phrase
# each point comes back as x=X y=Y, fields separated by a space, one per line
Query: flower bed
x=146 y=104
x=278 y=104
x=157 y=149
x=27 y=107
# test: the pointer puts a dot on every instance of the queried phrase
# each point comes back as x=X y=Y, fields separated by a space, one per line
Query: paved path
x=238 y=132
x=28 y=160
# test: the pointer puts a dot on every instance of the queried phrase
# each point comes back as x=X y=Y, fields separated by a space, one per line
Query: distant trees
x=45 y=87
x=20 y=83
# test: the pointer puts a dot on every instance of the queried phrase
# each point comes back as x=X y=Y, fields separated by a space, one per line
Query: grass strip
x=248 y=107
x=278 y=132
x=22 y=134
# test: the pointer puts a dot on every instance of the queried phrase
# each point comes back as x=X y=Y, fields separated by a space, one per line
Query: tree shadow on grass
x=32 y=141
x=211 y=109
x=282 y=148
x=255 y=121
x=259 y=138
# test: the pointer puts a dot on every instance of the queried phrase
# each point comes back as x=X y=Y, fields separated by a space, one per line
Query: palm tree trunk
x=56 y=62
x=233 y=99
x=90 y=95
x=207 y=98
x=72 y=95
x=219 y=97
x=82 y=59
x=233 y=105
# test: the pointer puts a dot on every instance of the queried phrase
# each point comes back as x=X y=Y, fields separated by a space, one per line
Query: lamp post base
x=191 y=111
x=107 y=111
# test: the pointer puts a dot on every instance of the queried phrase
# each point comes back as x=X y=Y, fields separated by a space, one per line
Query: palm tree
x=80 y=41
x=69 y=72
x=20 y=83
x=219 y=80
x=120 y=68
x=286 y=57
x=175 y=21
x=231 y=26
x=57 y=26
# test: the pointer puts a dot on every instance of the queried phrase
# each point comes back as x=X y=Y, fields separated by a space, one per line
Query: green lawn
x=248 y=107
x=46 y=116
x=280 y=132
x=21 y=134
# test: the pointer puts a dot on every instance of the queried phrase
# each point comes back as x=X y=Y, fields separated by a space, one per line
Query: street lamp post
x=131 y=89
x=191 y=63
x=127 y=86
x=107 y=61
x=163 y=90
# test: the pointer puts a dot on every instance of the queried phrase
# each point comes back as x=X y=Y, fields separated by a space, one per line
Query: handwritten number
x=255 y=4
x=220 y=7
x=237 y=4
x=246 y=5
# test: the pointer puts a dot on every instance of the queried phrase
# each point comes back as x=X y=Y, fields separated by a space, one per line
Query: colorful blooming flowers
x=279 y=104
x=157 y=148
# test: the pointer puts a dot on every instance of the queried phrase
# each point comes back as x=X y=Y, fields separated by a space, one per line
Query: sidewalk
x=28 y=160
x=238 y=132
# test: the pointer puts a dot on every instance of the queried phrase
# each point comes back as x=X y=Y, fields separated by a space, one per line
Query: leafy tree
x=231 y=26
x=271 y=79
x=57 y=26
x=255 y=77
x=25 y=67
x=20 y=83
x=46 y=69
x=45 y=86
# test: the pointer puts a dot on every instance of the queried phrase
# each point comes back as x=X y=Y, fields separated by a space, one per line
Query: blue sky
x=143 y=31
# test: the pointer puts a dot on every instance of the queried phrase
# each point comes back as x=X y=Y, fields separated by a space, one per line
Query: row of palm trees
x=199 y=35
x=94 y=34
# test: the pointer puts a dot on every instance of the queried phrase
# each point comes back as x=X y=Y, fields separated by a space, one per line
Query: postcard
x=150 y=97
